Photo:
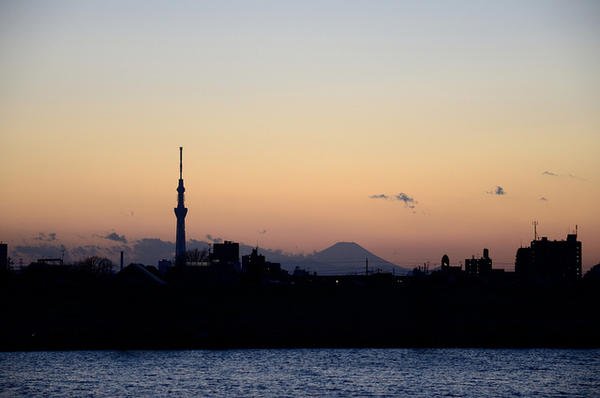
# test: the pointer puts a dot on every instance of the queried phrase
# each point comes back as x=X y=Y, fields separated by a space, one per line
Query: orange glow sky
x=293 y=115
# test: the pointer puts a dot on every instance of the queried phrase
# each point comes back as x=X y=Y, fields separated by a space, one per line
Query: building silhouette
x=164 y=265
x=180 y=213
x=226 y=254
x=253 y=263
x=3 y=256
x=445 y=263
x=479 y=266
x=446 y=267
x=550 y=260
x=258 y=268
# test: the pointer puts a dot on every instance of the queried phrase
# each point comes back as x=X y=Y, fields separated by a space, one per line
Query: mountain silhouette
x=344 y=251
x=349 y=258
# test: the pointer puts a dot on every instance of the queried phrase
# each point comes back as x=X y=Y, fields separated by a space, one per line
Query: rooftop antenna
x=576 y=228
x=180 y=162
x=535 y=224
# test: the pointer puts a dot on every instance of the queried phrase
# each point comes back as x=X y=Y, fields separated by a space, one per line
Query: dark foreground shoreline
x=94 y=313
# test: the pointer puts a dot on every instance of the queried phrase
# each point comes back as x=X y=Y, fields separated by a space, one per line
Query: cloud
x=543 y=199
x=149 y=250
x=32 y=253
x=569 y=175
x=196 y=244
x=498 y=191
x=43 y=237
x=213 y=239
x=27 y=254
x=82 y=252
x=79 y=253
x=146 y=251
x=406 y=199
x=575 y=177
x=115 y=237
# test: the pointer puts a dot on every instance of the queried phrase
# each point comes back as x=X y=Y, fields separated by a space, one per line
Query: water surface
x=303 y=372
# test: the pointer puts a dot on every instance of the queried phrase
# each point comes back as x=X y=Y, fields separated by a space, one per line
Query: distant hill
x=341 y=258
x=350 y=257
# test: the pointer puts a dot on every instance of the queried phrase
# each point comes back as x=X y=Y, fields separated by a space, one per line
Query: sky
x=412 y=128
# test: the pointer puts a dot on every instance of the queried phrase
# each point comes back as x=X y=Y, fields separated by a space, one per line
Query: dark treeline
x=65 y=307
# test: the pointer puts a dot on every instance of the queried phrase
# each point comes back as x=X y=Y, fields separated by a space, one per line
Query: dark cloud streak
x=497 y=191
x=115 y=237
x=406 y=199
x=43 y=237
x=569 y=175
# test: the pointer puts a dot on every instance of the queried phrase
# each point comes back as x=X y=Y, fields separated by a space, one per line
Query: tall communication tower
x=180 y=213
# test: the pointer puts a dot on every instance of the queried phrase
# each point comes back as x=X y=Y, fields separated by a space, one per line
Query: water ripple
x=303 y=372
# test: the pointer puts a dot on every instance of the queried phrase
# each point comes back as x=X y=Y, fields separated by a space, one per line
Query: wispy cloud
x=46 y=237
x=498 y=191
x=576 y=177
x=115 y=237
x=568 y=175
x=406 y=199
x=213 y=239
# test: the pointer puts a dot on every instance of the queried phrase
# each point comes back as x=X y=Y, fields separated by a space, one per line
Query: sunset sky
x=412 y=128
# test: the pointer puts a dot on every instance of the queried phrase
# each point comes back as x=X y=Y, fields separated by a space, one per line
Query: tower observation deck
x=180 y=213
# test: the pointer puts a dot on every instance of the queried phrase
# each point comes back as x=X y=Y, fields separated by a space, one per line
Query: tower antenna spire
x=535 y=224
x=180 y=162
